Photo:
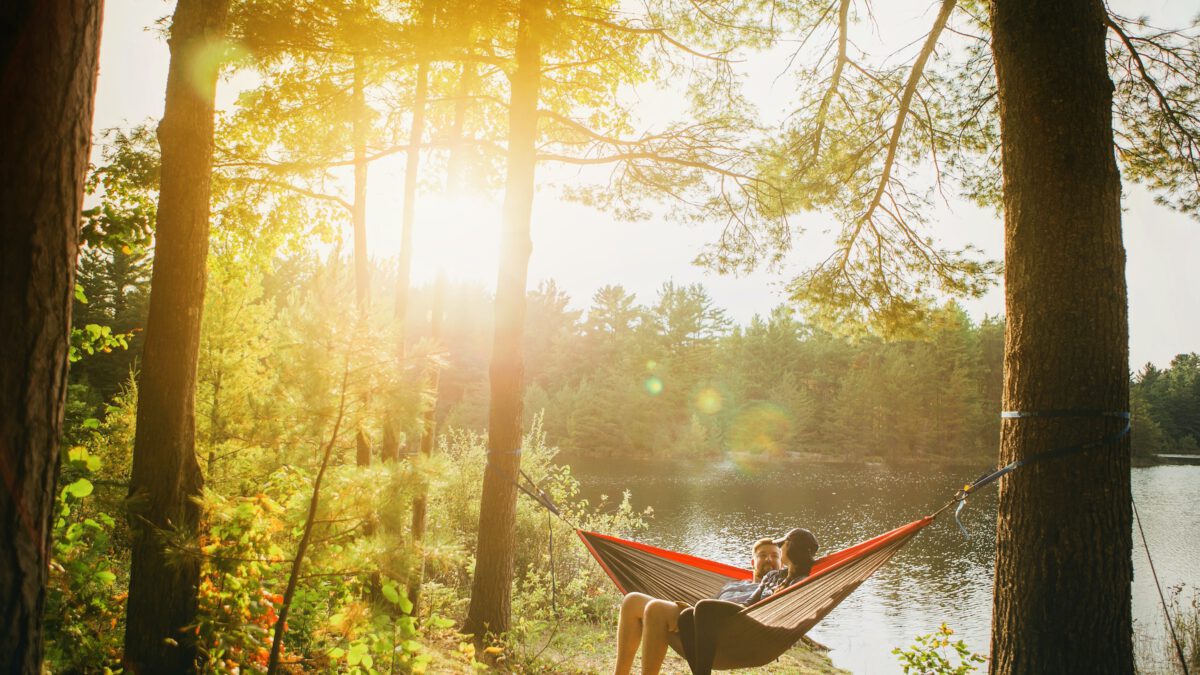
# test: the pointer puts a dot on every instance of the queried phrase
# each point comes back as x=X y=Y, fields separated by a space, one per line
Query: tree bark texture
x=48 y=56
x=491 y=591
x=166 y=477
x=1064 y=543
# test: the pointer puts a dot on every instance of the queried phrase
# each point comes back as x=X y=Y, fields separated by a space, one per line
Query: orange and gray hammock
x=719 y=635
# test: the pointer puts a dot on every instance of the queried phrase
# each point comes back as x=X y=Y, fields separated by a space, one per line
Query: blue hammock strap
x=1058 y=453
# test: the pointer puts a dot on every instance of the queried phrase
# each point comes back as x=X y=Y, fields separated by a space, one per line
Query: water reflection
x=717 y=510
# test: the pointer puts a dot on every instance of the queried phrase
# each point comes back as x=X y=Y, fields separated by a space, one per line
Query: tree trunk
x=48 y=54
x=358 y=215
x=1064 y=546
x=412 y=166
x=362 y=447
x=166 y=478
x=428 y=434
x=389 y=449
x=456 y=166
x=491 y=590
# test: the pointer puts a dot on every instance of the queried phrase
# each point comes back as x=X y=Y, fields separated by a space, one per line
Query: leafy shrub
x=564 y=587
x=937 y=654
x=84 y=604
x=242 y=564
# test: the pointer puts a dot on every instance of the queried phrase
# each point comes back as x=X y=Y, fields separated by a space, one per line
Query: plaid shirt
x=738 y=591
x=771 y=582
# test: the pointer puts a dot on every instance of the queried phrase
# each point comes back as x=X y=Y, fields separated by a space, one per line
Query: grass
x=587 y=649
x=1158 y=656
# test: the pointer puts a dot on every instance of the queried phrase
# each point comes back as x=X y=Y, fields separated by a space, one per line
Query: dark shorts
x=698 y=629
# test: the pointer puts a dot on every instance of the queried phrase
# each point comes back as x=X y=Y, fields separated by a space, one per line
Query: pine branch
x=1182 y=136
x=910 y=87
x=284 y=185
x=655 y=32
x=835 y=78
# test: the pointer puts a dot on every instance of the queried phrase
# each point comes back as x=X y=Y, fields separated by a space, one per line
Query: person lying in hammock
x=653 y=623
x=799 y=550
x=765 y=557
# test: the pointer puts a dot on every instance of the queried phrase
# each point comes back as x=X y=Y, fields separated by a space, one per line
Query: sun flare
x=458 y=236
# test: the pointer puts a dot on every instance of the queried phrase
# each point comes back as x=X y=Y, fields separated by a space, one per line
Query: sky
x=582 y=249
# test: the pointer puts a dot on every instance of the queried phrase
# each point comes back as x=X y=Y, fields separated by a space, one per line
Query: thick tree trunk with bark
x=48 y=55
x=491 y=591
x=1063 y=568
x=166 y=477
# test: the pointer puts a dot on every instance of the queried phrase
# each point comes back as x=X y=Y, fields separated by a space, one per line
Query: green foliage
x=551 y=587
x=93 y=339
x=84 y=602
x=127 y=186
x=237 y=376
x=89 y=568
x=1166 y=407
x=937 y=654
x=877 y=136
x=243 y=560
x=1156 y=76
x=113 y=272
x=673 y=379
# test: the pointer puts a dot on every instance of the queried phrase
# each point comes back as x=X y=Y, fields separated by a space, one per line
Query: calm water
x=716 y=509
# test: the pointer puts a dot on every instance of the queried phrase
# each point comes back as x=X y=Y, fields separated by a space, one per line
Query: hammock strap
x=1057 y=453
x=533 y=491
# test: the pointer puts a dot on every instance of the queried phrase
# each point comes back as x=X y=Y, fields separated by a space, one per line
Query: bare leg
x=660 y=626
x=629 y=630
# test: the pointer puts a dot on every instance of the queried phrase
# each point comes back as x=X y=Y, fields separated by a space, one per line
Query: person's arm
x=762 y=585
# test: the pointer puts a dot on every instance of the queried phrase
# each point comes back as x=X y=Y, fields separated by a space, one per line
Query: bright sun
x=458 y=236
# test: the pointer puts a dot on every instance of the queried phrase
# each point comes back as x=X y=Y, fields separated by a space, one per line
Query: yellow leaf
x=494 y=650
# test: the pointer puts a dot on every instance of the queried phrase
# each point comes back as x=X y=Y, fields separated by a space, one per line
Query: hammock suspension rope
x=1057 y=453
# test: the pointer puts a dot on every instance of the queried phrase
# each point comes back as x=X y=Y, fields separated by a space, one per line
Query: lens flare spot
x=651 y=365
x=760 y=429
x=708 y=401
x=205 y=60
x=654 y=385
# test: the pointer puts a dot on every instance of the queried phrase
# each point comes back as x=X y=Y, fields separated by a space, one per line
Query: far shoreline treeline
x=673 y=376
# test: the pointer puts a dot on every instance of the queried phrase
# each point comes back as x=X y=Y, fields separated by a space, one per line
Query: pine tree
x=48 y=57
x=166 y=478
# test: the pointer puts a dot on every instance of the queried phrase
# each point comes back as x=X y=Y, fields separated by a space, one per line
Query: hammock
x=721 y=635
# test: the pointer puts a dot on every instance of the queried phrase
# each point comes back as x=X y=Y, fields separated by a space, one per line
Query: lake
x=716 y=509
